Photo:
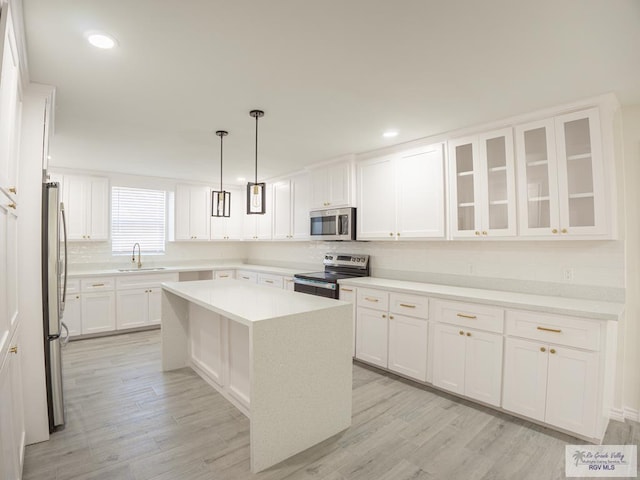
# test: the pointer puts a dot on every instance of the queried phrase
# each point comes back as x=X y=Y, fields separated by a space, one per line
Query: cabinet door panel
x=72 y=317
x=282 y=210
x=448 y=358
x=376 y=200
x=132 y=308
x=98 y=312
x=348 y=294
x=465 y=187
x=525 y=377
x=239 y=362
x=408 y=346
x=234 y=222
x=5 y=324
x=12 y=266
x=319 y=179
x=182 y=208
x=300 y=185
x=483 y=367
x=207 y=348
x=199 y=212
x=9 y=104
x=8 y=456
x=420 y=194
x=372 y=337
x=339 y=178
x=75 y=204
x=572 y=390
x=98 y=212
x=155 y=303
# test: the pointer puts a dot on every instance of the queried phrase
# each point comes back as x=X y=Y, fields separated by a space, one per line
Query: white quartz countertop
x=248 y=303
x=598 y=310
x=110 y=271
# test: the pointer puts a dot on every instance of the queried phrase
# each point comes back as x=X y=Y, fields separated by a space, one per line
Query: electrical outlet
x=567 y=274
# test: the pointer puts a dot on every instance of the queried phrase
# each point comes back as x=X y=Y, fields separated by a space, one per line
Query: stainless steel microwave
x=333 y=224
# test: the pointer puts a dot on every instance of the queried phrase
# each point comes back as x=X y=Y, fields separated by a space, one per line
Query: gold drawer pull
x=269 y=281
x=472 y=317
x=347 y=289
x=406 y=305
x=224 y=276
x=550 y=330
x=98 y=285
x=368 y=299
x=13 y=190
x=246 y=278
x=12 y=205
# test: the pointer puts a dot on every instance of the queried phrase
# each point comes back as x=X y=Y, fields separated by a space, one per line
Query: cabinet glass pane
x=496 y=153
x=537 y=165
x=581 y=212
x=498 y=216
x=466 y=218
x=535 y=145
x=465 y=189
x=577 y=138
x=464 y=158
x=579 y=173
x=580 y=176
x=539 y=213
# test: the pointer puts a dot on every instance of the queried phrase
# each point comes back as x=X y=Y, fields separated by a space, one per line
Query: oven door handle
x=312 y=283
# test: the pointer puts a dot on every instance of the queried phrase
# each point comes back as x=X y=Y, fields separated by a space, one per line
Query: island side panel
x=174 y=331
x=301 y=382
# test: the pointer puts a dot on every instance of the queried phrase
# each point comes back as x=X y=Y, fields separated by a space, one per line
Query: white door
x=572 y=390
x=483 y=366
x=300 y=204
x=448 y=357
x=372 y=337
x=525 y=377
x=206 y=337
x=339 y=178
x=538 y=209
x=580 y=173
x=376 y=199
x=497 y=175
x=282 y=210
x=72 y=317
x=419 y=183
x=199 y=212
x=408 y=346
x=465 y=187
x=98 y=208
x=132 y=308
x=155 y=304
x=98 y=312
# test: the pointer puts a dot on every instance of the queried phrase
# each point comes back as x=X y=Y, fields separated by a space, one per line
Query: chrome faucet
x=133 y=257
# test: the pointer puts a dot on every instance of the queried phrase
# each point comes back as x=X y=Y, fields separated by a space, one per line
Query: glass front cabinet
x=483 y=185
x=560 y=176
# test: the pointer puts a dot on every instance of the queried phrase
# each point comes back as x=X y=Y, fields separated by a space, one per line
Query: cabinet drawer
x=561 y=330
x=270 y=280
x=410 y=305
x=246 y=276
x=468 y=315
x=376 y=299
x=147 y=280
x=223 y=274
x=73 y=286
x=97 y=284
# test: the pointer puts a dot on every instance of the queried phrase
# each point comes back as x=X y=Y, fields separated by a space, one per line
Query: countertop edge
x=113 y=272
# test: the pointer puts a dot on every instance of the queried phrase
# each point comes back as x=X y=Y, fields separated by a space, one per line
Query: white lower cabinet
x=247 y=276
x=72 y=316
x=392 y=340
x=138 y=299
x=224 y=274
x=133 y=308
x=98 y=312
x=220 y=350
x=270 y=280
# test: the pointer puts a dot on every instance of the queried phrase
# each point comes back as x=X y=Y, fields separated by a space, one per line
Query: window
x=137 y=215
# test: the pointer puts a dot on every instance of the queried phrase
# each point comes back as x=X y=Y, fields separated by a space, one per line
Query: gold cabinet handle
x=78 y=297
x=268 y=281
x=398 y=234
x=224 y=276
x=484 y=233
x=384 y=316
x=555 y=230
x=369 y=299
x=406 y=305
x=13 y=349
x=542 y=349
x=12 y=205
x=245 y=278
x=98 y=285
x=564 y=230
x=468 y=334
x=391 y=317
x=477 y=233
x=462 y=315
x=13 y=190
x=461 y=332
x=391 y=234
x=347 y=289
x=544 y=329
x=552 y=351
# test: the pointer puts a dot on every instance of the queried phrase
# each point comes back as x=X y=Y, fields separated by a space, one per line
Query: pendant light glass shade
x=256 y=191
x=220 y=199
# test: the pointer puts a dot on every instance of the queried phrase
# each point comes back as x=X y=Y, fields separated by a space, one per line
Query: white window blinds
x=137 y=215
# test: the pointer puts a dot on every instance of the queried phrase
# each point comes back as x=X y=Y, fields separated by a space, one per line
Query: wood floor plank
x=128 y=420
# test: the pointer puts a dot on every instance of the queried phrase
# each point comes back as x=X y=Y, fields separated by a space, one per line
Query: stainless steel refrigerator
x=54 y=289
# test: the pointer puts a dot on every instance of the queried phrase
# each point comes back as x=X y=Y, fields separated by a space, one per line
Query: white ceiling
x=331 y=75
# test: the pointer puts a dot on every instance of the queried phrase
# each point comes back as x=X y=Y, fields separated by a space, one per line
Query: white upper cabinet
x=561 y=176
x=282 y=209
x=291 y=208
x=401 y=196
x=86 y=203
x=300 y=195
x=192 y=212
x=259 y=227
x=230 y=228
x=10 y=105
x=483 y=198
x=331 y=185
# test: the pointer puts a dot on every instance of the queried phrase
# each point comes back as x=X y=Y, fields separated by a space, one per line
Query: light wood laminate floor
x=126 y=419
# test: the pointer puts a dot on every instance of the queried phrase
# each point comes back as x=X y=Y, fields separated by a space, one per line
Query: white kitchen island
x=283 y=358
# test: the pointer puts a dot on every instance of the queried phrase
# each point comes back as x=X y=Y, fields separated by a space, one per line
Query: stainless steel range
x=336 y=266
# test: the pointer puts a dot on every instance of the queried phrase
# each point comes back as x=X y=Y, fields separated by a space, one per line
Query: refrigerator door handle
x=64 y=231
x=65 y=340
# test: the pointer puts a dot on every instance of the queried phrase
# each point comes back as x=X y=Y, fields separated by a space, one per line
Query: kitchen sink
x=143 y=269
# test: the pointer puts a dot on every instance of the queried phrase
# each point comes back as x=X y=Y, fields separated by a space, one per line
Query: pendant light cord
x=221 y=138
x=256 y=149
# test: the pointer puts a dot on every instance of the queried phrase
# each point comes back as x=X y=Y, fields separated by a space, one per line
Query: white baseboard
x=617 y=414
x=631 y=414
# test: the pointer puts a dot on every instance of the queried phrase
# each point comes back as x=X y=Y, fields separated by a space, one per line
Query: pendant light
x=255 y=190
x=221 y=200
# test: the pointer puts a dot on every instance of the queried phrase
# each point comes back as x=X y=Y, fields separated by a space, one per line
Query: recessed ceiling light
x=390 y=134
x=100 y=40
